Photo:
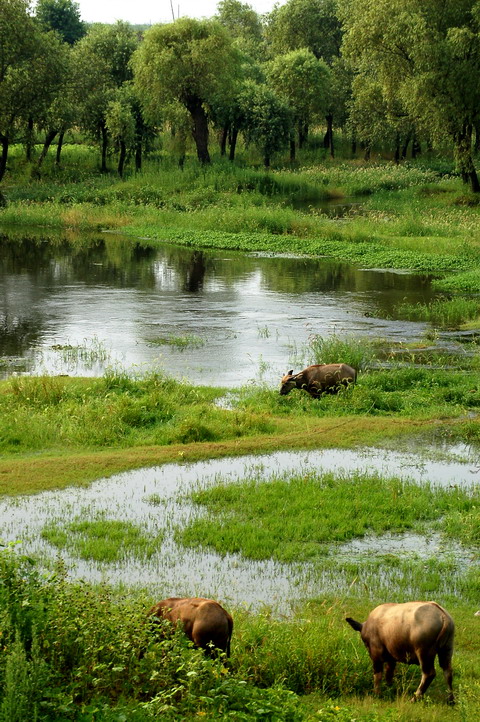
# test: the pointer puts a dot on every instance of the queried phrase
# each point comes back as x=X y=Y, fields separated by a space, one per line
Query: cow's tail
x=230 y=630
x=447 y=623
x=357 y=626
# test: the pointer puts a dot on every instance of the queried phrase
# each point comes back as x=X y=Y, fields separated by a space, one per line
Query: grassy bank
x=408 y=216
x=73 y=430
x=76 y=652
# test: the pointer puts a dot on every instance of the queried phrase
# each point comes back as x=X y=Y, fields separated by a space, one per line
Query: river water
x=75 y=306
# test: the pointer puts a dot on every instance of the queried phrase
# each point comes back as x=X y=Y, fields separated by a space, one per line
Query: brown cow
x=204 y=621
x=414 y=633
x=319 y=378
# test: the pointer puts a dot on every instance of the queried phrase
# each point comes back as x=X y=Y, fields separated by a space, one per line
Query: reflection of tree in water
x=18 y=335
x=195 y=273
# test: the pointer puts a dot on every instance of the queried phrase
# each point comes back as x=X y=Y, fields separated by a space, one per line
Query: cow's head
x=288 y=383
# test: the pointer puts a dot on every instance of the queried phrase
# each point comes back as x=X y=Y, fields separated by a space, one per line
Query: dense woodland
x=400 y=76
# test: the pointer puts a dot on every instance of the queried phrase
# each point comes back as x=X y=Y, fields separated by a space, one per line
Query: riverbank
x=405 y=216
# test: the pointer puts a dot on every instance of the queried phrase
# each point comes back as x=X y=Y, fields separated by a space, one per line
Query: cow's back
x=404 y=629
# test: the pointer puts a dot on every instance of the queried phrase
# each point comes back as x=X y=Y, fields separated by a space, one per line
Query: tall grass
x=76 y=652
x=443 y=312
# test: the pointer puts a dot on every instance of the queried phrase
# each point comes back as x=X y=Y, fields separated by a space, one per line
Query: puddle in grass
x=155 y=499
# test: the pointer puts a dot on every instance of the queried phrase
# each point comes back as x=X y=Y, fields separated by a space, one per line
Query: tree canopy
x=426 y=58
x=63 y=16
x=189 y=61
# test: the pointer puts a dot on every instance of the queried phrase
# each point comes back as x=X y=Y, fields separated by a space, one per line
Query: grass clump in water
x=296 y=517
x=444 y=312
x=102 y=540
x=179 y=342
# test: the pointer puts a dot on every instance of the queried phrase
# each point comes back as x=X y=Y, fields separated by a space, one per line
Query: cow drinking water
x=204 y=621
x=414 y=633
x=319 y=379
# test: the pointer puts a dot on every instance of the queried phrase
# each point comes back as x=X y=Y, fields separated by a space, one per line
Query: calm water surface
x=210 y=317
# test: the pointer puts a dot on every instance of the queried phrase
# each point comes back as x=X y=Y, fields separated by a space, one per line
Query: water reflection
x=246 y=309
x=156 y=498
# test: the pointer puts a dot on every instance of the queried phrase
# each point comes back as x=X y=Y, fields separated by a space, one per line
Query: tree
x=121 y=125
x=268 y=120
x=62 y=16
x=192 y=62
x=102 y=67
x=302 y=81
x=426 y=59
x=243 y=24
x=30 y=70
x=311 y=24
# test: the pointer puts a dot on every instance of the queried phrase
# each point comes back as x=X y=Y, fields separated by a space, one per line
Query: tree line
x=400 y=73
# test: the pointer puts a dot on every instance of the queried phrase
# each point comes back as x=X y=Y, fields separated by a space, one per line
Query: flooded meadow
x=158 y=501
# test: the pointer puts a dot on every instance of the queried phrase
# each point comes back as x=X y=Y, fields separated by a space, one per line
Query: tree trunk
x=464 y=159
x=30 y=140
x=302 y=133
x=266 y=161
x=200 y=128
x=233 y=143
x=49 y=138
x=476 y=145
x=367 y=152
x=3 y=157
x=405 y=145
x=416 y=147
x=121 y=158
x=138 y=156
x=103 y=130
x=397 y=149
x=59 y=147
x=223 y=141
x=353 y=148
x=292 y=147
x=328 y=137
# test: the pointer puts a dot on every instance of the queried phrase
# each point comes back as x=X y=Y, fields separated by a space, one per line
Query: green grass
x=102 y=539
x=408 y=218
x=73 y=651
x=53 y=414
x=294 y=518
x=179 y=342
x=442 y=313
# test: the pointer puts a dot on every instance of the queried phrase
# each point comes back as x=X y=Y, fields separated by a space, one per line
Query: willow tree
x=189 y=61
x=426 y=59
x=30 y=71
x=302 y=81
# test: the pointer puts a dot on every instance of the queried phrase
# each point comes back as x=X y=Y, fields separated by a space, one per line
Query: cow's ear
x=290 y=373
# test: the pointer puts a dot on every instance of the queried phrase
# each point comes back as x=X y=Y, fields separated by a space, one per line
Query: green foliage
x=119 y=410
x=344 y=349
x=424 y=59
x=268 y=120
x=62 y=16
x=302 y=81
x=311 y=24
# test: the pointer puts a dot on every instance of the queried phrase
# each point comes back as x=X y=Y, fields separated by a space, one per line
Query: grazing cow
x=414 y=633
x=318 y=379
x=204 y=621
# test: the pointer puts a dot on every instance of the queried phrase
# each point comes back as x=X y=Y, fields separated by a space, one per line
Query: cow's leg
x=377 y=676
x=445 y=660
x=427 y=665
x=389 y=671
